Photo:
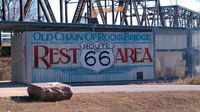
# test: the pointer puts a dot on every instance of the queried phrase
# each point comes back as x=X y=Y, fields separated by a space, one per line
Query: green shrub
x=5 y=52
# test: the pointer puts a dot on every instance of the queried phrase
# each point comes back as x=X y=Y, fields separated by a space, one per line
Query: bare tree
x=13 y=10
x=175 y=2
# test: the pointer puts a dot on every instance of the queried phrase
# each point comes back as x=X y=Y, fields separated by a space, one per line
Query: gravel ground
x=109 y=102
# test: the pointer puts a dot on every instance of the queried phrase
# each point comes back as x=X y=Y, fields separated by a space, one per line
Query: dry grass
x=188 y=81
x=5 y=68
x=109 y=102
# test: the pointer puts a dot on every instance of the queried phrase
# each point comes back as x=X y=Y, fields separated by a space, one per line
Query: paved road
x=8 y=89
x=12 y=92
x=135 y=88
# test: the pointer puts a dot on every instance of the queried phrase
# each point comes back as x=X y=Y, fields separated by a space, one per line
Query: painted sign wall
x=89 y=56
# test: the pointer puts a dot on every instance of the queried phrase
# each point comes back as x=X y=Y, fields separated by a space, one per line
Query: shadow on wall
x=196 y=63
x=170 y=65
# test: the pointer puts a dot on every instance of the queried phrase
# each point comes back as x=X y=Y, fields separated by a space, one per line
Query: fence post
x=189 y=53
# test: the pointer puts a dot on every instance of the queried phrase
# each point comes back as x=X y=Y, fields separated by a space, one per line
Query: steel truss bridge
x=105 y=12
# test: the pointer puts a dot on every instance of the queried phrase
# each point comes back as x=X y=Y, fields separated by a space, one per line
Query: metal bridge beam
x=120 y=12
x=21 y=11
x=3 y=10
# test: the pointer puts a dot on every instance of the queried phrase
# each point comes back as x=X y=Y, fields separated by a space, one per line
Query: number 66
x=90 y=58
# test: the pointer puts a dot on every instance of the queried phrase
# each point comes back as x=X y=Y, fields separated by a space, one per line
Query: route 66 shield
x=97 y=56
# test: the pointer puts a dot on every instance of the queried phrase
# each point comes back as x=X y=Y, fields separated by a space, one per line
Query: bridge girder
x=115 y=12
